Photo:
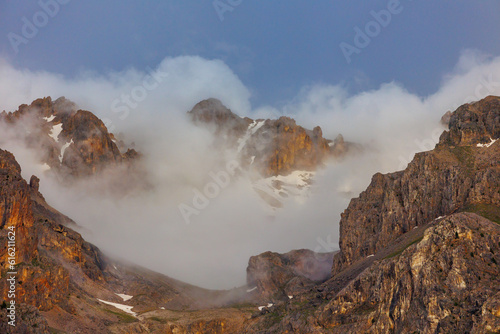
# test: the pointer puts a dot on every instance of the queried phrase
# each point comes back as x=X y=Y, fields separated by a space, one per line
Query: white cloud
x=213 y=250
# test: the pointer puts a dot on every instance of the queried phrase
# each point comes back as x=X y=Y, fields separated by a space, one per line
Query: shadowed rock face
x=277 y=276
x=436 y=183
x=273 y=147
x=447 y=282
x=213 y=112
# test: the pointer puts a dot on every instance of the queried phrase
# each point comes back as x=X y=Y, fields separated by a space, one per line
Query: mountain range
x=419 y=248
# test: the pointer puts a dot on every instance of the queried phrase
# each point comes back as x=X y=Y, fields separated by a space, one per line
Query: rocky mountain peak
x=272 y=146
x=282 y=152
x=213 y=112
x=474 y=123
x=69 y=141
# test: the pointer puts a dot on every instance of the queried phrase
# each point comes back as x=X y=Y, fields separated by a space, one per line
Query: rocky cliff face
x=446 y=283
x=474 y=123
x=464 y=169
x=15 y=210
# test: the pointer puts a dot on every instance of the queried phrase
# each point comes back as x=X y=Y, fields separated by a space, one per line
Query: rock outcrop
x=447 y=283
x=282 y=276
x=474 y=123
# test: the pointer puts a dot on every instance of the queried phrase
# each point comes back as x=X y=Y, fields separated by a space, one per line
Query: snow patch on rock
x=252 y=128
x=263 y=307
x=63 y=149
x=124 y=296
x=55 y=131
x=124 y=308
x=492 y=141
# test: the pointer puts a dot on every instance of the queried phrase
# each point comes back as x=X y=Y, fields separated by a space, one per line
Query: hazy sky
x=274 y=47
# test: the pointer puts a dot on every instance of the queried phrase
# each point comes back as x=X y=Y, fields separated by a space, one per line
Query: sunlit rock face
x=462 y=170
x=272 y=146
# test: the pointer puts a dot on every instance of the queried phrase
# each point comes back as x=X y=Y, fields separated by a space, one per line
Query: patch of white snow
x=252 y=128
x=124 y=296
x=55 y=131
x=124 y=308
x=492 y=141
x=45 y=167
x=63 y=149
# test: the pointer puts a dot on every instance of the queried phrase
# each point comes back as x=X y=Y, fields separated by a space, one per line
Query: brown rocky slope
x=447 y=281
x=460 y=171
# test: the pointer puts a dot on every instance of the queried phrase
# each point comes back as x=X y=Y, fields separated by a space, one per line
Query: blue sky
x=274 y=47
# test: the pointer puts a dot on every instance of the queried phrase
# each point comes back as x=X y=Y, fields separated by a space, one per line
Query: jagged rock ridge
x=410 y=260
x=280 y=155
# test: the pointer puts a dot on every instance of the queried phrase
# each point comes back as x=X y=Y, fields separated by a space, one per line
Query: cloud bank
x=148 y=107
